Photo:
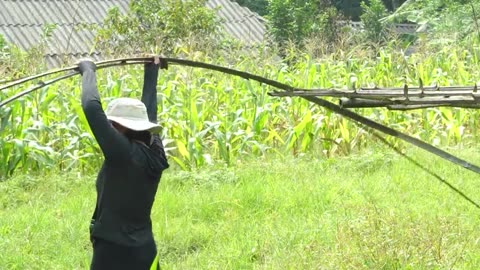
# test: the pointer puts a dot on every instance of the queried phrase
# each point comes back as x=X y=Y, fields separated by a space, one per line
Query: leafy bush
x=3 y=47
x=375 y=29
x=152 y=25
x=15 y=62
x=446 y=21
x=296 y=20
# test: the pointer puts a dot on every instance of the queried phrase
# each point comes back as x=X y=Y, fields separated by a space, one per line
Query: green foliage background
x=159 y=26
x=210 y=117
x=256 y=182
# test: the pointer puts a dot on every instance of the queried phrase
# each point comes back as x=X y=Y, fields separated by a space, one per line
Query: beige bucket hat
x=130 y=113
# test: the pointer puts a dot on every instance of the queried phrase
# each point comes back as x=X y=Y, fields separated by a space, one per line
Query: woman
x=121 y=228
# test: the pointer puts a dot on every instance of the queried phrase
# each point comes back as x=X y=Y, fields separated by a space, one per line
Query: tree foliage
x=295 y=20
x=152 y=24
x=375 y=29
x=258 y=6
x=352 y=9
x=446 y=20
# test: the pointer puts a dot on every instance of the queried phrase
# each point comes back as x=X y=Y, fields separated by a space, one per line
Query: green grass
x=371 y=210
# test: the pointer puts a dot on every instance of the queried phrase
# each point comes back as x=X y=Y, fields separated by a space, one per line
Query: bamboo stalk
x=42 y=84
x=379 y=94
x=435 y=100
x=424 y=88
x=411 y=103
x=401 y=107
x=362 y=103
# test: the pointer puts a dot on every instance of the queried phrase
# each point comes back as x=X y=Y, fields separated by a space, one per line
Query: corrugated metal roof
x=240 y=22
x=61 y=12
x=65 y=39
x=23 y=22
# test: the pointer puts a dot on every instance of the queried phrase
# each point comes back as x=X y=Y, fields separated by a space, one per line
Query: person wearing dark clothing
x=127 y=133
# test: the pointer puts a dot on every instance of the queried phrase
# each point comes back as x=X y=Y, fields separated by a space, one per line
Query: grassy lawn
x=372 y=210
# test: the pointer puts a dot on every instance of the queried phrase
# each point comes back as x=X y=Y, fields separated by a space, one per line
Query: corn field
x=208 y=117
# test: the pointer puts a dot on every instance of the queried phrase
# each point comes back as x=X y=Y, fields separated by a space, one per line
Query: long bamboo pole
x=381 y=93
x=413 y=103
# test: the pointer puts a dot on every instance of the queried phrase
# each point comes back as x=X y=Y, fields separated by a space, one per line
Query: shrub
x=375 y=29
x=150 y=25
x=296 y=20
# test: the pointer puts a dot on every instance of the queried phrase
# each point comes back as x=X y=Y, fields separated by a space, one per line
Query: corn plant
x=209 y=117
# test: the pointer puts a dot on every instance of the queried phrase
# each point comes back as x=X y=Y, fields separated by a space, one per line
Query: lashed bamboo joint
x=401 y=98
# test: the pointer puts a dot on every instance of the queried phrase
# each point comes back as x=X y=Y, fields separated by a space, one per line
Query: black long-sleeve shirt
x=128 y=180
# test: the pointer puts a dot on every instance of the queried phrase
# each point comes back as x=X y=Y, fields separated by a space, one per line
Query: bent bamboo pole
x=100 y=65
x=412 y=103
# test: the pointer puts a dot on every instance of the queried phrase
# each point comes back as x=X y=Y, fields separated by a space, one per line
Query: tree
x=258 y=6
x=446 y=20
x=164 y=24
x=352 y=8
x=372 y=14
x=294 y=20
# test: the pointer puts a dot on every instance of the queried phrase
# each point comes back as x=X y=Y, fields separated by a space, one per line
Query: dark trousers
x=108 y=255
